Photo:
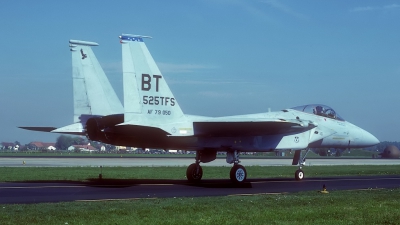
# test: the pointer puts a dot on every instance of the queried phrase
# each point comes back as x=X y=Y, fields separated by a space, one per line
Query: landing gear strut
x=238 y=173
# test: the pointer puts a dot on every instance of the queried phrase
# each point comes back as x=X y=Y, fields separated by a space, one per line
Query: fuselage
x=318 y=131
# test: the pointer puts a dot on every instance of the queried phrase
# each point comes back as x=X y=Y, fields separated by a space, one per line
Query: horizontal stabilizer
x=42 y=129
x=71 y=129
x=75 y=128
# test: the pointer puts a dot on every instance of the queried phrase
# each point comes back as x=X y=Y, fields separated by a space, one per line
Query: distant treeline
x=381 y=146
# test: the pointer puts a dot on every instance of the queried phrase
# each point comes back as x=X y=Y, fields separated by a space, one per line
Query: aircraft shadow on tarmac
x=205 y=183
x=115 y=183
x=123 y=183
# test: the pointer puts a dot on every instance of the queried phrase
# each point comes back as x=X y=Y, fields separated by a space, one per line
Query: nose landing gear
x=301 y=161
x=299 y=175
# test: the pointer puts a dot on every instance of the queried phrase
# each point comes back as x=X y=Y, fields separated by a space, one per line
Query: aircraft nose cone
x=369 y=139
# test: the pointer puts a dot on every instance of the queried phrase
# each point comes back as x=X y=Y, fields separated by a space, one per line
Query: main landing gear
x=238 y=173
x=194 y=172
x=299 y=160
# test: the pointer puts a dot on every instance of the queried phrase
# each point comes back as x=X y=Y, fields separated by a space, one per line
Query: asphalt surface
x=106 y=190
x=125 y=189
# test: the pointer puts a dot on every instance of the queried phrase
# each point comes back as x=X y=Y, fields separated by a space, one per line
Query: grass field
x=339 y=207
x=85 y=173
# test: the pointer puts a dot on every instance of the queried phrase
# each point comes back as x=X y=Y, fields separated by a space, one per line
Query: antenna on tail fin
x=132 y=37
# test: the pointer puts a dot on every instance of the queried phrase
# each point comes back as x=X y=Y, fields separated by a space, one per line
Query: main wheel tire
x=299 y=175
x=193 y=174
x=238 y=174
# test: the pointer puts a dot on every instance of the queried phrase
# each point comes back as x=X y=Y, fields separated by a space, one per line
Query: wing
x=249 y=127
x=42 y=129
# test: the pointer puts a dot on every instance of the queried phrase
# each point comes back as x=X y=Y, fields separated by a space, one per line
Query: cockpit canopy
x=320 y=110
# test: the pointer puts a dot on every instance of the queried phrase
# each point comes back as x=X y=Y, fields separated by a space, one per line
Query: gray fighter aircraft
x=92 y=92
x=153 y=119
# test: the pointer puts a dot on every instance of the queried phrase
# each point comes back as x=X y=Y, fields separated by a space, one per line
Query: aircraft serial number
x=158 y=100
x=159 y=112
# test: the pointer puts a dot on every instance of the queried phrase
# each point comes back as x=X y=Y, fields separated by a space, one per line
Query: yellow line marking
x=330 y=179
x=275 y=181
x=42 y=187
x=114 y=199
x=271 y=193
x=388 y=178
x=367 y=189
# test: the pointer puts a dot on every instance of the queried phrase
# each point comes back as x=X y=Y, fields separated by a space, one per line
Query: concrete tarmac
x=154 y=162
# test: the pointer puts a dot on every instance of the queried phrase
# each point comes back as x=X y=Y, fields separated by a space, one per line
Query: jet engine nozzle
x=101 y=128
x=94 y=129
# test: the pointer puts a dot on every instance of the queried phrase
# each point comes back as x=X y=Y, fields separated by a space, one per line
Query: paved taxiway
x=106 y=190
x=64 y=161
x=95 y=190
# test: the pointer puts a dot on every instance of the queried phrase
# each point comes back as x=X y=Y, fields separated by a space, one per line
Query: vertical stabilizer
x=147 y=98
x=93 y=93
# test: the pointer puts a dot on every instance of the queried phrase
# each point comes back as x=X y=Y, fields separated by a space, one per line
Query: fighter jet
x=92 y=92
x=153 y=119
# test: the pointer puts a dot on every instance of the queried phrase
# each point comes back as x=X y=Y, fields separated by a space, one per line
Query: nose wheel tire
x=299 y=175
x=194 y=172
x=238 y=174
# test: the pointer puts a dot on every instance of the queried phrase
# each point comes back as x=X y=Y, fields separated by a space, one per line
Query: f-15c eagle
x=152 y=118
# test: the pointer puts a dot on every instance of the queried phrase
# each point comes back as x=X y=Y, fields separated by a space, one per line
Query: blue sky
x=220 y=57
